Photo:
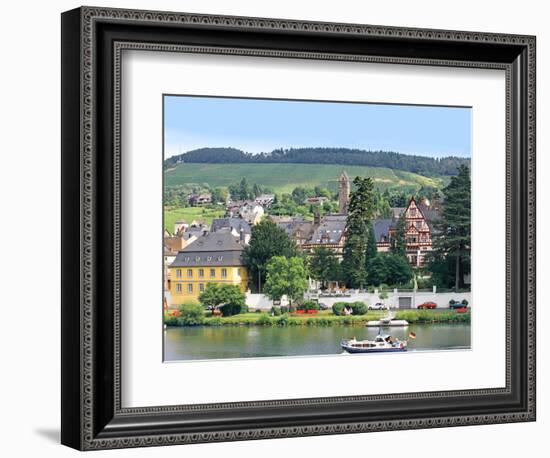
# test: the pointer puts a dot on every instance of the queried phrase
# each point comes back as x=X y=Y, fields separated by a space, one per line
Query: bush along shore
x=194 y=315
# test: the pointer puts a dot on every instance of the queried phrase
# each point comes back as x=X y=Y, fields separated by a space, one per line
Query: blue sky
x=256 y=125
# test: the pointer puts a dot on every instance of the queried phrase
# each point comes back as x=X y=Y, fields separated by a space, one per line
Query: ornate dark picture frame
x=92 y=42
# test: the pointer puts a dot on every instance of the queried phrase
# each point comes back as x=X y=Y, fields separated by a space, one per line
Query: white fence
x=396 y=299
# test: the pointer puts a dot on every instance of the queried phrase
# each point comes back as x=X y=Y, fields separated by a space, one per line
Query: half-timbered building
x=419 y=219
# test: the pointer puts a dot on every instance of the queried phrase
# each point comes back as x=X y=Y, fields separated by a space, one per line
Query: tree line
x=344 y=156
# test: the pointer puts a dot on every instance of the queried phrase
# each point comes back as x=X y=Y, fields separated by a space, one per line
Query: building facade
x=213 y=258
x=328 y=232
x=419 y=218
x=296 y=227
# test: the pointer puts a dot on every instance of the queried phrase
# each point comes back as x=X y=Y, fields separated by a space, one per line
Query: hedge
x=308 y=305
x=233 y=309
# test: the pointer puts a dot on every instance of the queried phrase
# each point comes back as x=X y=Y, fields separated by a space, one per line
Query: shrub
x=359 y=308
x=275 y=311
x=284 y=309
x=464 y=302
x=311 y=322
x=170 y=320
x=216 y=321
x=264 y=320
x=348 y=320
x=192 y=314
x=283 y=320
x=323 y=321
x=338 y=307
x=309 y=305
x=219 y=295
x=233 y=309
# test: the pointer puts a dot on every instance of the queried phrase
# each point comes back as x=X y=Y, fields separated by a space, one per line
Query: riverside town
x=310 y=250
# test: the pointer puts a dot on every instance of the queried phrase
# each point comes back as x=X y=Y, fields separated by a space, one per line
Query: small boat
x=381 y=343
x=388 y=320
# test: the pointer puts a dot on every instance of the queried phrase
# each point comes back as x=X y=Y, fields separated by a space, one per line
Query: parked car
x=457 y=305
x=323 y=306
x=378 y=306
x=427 y=305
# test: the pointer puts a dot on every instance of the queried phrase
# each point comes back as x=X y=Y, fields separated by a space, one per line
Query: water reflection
x=204 y=342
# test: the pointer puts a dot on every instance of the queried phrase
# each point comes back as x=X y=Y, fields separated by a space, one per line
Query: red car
x=427 y=305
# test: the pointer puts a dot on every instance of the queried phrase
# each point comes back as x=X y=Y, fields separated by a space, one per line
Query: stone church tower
x=343 y=193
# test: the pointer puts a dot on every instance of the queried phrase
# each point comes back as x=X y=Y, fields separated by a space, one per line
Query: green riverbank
x=323 y=318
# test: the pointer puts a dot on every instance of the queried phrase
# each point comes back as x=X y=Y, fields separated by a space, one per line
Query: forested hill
x=344 y=156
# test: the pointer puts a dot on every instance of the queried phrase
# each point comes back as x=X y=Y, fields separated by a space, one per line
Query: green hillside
x=171 y=215
x=283 y=178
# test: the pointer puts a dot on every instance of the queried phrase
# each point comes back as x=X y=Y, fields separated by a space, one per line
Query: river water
x=209 y=342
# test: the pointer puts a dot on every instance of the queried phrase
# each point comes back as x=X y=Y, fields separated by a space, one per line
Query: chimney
x=317 y=218
x=241 y=236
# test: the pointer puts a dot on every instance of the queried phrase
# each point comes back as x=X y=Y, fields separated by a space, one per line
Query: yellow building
x=212 y=258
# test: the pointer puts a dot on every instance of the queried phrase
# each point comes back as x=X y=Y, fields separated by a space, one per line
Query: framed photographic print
x=276 y=228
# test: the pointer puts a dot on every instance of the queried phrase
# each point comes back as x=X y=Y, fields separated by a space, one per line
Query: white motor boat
x=381 y=343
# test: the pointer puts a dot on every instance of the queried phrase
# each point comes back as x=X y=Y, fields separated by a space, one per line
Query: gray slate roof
x=381 y=228
x=429 y=213
x=233 y=223
x=330 y=230
x=212 y=249
x=294 y=224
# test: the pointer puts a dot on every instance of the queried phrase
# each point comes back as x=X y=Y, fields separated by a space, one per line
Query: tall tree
x=324 y=266
x=286 y=276
x=371 y=246
x=256 y=190
x=377 y=270
x=267 y=240
x=399 y=243
x=390 y=269
x=244 y=190
x=360 y=212
x=384 y=209
x=453 y=230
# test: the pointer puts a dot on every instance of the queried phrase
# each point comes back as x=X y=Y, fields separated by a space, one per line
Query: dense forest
x=345 y=156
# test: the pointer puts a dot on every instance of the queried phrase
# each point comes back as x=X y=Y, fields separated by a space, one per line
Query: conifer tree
x=453 y=230
x=360 y=212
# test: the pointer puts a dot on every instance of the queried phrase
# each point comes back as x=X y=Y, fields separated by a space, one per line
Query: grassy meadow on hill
x=283 y=178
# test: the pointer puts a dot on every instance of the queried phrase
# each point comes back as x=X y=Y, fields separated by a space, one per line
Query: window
x=201 y=273
x=201 y=287
x=190 y=288
x=224 y=273
x=178 y=288
x=178 y=273
x=189 y=273
x=212 y=273
x=239 y=271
